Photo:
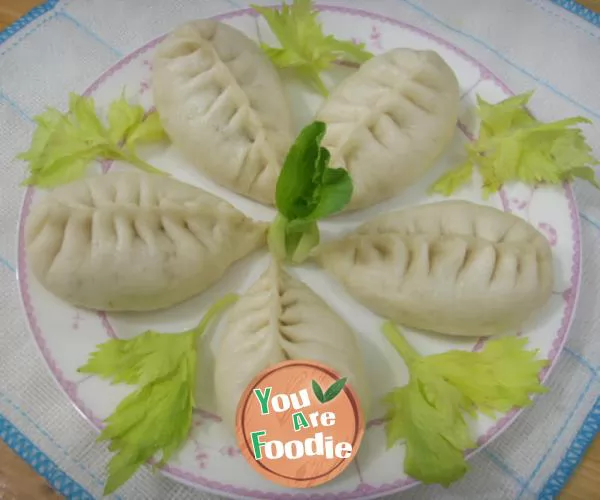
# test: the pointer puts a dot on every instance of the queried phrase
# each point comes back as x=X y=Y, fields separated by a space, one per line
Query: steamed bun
x=131 y=241
x=388 y=123
x=222 y=103
x=452 y=267
x=277 y=319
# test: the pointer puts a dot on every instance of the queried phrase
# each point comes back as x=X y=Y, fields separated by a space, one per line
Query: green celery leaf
x=86 y=124
x=63 y=145
x=433 y=427
x=149 y=356
x=144 y=358
x=62 y=171
x=498 y=378
x=304 y=46
x=46 y=123
x=428 y=412
x=452 y=180
x=156 y=418
x=515 y=147
x=147 y=131
x=122 y=118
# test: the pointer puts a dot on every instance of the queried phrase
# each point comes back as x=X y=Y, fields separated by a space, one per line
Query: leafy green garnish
x=63 y=145
x=428 y=412
x=514 y=146
x=305 y=47
x=331 y=393
x=156 y=417
x=307 y=190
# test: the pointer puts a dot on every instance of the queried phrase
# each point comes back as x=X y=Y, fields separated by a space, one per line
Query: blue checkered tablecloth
x=63 y=45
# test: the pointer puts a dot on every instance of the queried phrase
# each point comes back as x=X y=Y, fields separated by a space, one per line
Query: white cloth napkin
x=530 y=44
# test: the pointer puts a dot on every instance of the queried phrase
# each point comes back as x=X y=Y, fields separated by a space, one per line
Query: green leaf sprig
x=514 y=146
x=428 y=412
x=157 y=417
x=304 y=46
x=307 y=190
x=64 y=144
x=331 y=393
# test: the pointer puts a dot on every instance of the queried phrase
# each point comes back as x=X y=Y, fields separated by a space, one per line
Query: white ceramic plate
x=211 y=460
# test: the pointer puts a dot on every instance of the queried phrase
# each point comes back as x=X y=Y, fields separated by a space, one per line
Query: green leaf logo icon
x=318 y=391
x=331 y=393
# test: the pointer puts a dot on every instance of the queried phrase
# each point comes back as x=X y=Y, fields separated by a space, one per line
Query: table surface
x=19 y=482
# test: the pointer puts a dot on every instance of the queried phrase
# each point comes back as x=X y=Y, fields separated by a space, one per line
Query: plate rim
x=363 y=491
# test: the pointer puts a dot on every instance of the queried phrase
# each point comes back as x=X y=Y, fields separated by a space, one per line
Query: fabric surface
x=64 y=45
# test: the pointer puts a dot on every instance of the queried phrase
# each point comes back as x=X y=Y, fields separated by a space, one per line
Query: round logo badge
x=299 y=424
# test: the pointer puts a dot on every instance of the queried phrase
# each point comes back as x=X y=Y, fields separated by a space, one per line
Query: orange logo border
x=297 y=482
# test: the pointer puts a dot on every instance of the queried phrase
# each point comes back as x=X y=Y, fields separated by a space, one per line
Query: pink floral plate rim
x=363 y=491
